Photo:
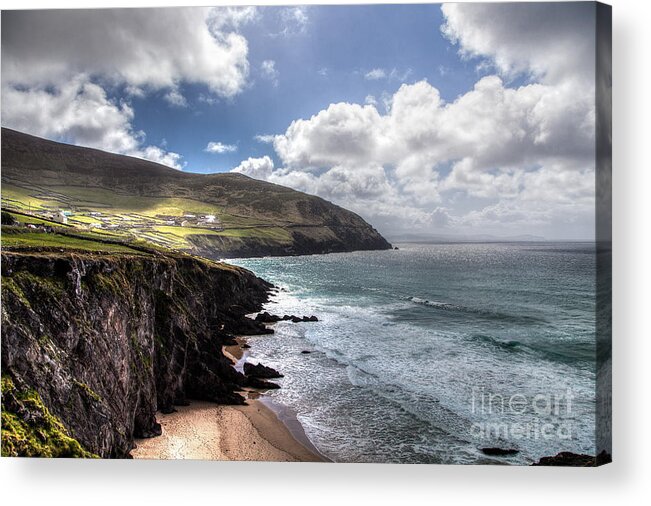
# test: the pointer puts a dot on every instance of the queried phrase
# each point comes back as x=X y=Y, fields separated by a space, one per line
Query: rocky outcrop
x=104 y=341
x=266 y=317
x=569 y=459
x=253 y=382
x=260 y=371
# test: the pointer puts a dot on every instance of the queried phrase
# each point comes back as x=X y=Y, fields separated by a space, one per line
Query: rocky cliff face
x=304 y=241
x=99 y=343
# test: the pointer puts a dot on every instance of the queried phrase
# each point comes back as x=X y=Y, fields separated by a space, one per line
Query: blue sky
x=454 y=119
x=343 y=42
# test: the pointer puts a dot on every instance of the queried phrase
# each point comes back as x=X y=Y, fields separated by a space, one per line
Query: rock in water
x=261 y=384
x=570 y=459
x=245 y=326
x=260 y=371
x=265 y=317
x=499 y=451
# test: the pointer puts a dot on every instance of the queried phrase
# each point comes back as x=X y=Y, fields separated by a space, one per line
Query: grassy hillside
x=215 y=215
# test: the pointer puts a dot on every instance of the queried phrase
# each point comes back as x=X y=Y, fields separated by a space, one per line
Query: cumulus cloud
x=220 y=148
x=60 y=67
x=258 y=168
x=80 y=112
x=159 y=155
x=148 y=48
x=497 y=156
x=551 y=41
x=492 y=125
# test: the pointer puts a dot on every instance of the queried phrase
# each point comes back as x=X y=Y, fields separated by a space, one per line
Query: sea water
x=431 y=353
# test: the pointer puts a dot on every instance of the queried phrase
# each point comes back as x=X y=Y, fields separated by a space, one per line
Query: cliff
x=222 y=215
x=94 y=344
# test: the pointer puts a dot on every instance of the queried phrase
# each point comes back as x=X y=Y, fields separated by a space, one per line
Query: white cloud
x=551 y=41
x=258 y=168
x=323 y=71
x=493 y=124
x=269 y=71
x=375 y=74
x=342 y=134
x=265 y=139
x=220 y=148
x=160 y=155
x=175 y=98
x=80 y=112
x=394 y=74
x=233 y=17
x=146 y=48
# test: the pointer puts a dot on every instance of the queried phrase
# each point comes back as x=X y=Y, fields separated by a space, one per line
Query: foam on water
x=395 y=376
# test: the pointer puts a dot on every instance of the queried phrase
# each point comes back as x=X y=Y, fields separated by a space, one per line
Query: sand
x=205 y=430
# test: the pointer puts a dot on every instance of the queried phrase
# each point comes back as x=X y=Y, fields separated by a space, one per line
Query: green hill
x=214 y=215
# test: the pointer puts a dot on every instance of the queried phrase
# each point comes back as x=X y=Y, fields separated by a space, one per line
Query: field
x=163 y=221
x=17 y=238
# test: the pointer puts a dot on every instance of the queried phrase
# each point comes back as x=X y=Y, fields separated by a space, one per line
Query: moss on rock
x=30 y=430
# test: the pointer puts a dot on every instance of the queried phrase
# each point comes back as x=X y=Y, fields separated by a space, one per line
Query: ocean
x=431 y=353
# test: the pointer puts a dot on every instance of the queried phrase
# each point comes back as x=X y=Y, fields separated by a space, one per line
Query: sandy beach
x=209 y=431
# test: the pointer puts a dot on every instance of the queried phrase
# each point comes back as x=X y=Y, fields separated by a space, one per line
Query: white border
x=627 y=480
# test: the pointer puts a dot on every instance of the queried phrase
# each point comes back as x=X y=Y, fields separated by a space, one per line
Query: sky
x=453 y=119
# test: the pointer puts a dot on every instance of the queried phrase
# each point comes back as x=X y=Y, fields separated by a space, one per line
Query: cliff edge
x=94 y=344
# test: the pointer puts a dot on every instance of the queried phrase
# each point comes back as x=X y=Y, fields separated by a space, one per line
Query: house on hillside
x=60 y=217
x=208 y=219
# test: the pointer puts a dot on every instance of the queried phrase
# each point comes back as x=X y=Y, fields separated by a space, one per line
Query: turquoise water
x=431 y=352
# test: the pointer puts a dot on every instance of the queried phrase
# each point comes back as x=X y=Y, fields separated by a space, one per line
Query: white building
x=209 y=218
x=61 y=217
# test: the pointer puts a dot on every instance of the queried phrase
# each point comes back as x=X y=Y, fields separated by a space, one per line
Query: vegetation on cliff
x=30 y=430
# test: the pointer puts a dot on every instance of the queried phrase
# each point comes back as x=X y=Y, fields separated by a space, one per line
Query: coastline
x=262 y=430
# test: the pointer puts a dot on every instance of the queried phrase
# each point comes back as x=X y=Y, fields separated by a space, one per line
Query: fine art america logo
x=544 y=416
